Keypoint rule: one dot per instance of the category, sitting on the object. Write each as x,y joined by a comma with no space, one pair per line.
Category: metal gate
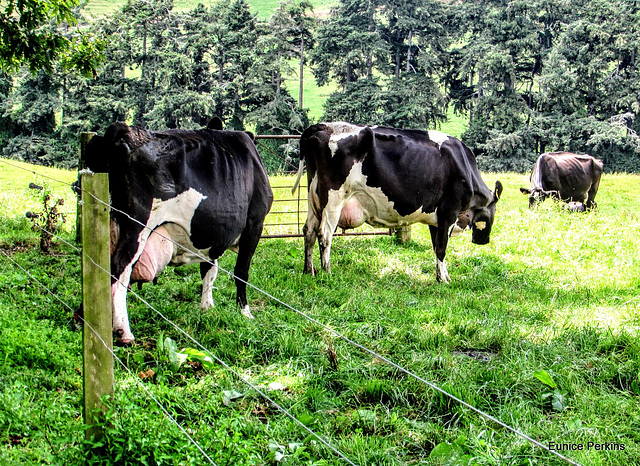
289,211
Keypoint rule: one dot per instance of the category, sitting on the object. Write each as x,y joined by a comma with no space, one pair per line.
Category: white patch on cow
481,225
341,127
246,311
207,287
120,318
313,204
441,271
179,211
365,204
184,252
335,138
438,137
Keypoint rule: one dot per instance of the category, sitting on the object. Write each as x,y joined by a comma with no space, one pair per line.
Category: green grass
553,291
263,8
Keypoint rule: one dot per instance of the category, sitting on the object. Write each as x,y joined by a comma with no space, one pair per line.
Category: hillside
314,96
264,8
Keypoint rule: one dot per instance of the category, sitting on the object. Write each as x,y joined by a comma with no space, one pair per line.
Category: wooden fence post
96,300
84,140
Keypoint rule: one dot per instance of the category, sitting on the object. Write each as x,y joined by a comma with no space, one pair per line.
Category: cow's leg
330,219
209,273
246,248
591,195
439,240
310,231
121,328
130,246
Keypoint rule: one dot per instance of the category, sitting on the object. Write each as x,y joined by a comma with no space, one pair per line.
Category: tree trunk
409,51
301,72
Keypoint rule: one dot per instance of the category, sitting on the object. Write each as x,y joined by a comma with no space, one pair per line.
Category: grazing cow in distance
391,178
180,197
565,176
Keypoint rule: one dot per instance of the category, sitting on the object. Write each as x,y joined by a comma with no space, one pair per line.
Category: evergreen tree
349,43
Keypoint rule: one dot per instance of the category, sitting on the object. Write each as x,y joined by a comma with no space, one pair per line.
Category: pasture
262,8
538,329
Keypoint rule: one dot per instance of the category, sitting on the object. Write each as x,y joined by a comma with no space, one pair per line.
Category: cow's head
537,195
482,220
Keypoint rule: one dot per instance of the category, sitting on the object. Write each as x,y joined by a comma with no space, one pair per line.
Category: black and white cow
569,177
205,190
392,178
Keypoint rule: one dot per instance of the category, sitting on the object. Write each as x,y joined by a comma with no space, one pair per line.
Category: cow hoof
246,311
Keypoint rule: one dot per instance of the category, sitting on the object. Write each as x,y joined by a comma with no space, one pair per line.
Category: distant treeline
530,75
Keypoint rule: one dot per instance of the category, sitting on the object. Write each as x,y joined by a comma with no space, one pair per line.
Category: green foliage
455,453
539,329
29,37
528,77
556,398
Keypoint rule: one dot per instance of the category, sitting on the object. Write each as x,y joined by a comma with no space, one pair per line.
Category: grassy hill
263,8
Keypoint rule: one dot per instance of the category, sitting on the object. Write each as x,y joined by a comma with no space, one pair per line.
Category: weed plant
539,329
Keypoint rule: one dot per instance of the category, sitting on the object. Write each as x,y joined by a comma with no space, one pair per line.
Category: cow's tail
298,176
536,175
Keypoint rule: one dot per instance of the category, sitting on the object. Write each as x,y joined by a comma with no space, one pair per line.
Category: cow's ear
498,190
251,135
464,219
525,191
116,132
215,123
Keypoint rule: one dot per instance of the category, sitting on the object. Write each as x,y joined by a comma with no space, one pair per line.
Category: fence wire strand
340,336
147,391
213,356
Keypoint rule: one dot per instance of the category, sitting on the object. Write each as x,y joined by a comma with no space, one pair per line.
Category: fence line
361,347
217,359
164,411
365,349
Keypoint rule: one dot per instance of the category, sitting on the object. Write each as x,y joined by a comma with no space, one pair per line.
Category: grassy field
263,8
539,329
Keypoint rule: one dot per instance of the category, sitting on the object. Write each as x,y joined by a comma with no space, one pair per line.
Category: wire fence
335,333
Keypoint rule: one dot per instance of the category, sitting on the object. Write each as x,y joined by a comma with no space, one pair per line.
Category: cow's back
572,175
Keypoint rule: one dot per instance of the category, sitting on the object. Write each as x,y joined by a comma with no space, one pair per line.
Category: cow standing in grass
391,177
180,197
565,176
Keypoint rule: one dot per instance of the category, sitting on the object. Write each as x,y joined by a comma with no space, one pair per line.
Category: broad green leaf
175,359
441,450
544,377
197,355
306,419
559,400
229,396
